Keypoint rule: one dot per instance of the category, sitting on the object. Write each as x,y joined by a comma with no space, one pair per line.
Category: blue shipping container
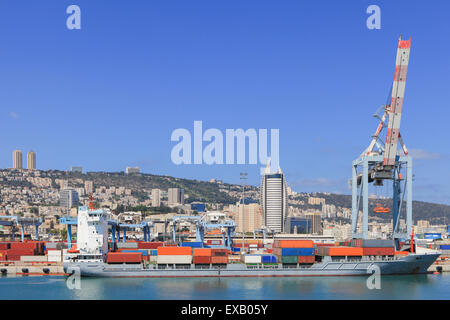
144,252
153,252
297,252
268,259
236,249
444,247
191,244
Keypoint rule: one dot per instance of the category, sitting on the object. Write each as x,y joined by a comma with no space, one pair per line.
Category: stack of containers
251,258
18,249
375,247
202,256
294,251
174,255
143,252
219,256
124,257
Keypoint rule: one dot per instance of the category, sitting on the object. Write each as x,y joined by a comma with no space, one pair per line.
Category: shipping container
444,247
402,253
339,251
219,259
154,252
289,259
293,244
204,252
5,246
54,258
202,259
182,251
268,259
174,259
372,243
144,252
149,245
294,251
379,251
250,258
33,258
219,252
127,245
191,244
124,257
306,259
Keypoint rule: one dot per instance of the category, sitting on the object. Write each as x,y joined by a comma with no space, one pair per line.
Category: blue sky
109,95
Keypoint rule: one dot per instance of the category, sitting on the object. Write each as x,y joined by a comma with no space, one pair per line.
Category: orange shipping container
219,260
174,251
306,259
343,251
204,252
293,244
401,253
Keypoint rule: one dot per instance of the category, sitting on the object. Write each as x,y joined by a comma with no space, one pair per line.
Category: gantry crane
383,161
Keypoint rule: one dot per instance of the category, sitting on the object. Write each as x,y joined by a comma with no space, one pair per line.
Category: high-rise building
17,159
249,217
274,199
316,222
88,187
68,198
31,160
175,196
156,198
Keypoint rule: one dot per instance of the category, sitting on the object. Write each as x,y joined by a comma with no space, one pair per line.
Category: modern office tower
175,196
31,160
68,198
156,198
316,222
274,199
89,187
249,217
17,159
131,170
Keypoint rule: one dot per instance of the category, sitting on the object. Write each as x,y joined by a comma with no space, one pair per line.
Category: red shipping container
13,258
23,245
149,245
4,246
22,252
306,259
219,260
202,260
378,251
124,257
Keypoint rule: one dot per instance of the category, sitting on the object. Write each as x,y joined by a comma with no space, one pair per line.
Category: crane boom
395,108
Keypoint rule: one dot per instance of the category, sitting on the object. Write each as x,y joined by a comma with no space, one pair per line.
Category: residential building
175,196
68,198
31,160
17,159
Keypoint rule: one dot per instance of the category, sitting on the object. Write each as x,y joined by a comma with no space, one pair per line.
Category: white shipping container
54,253
33,258
54,259
251,258
174,259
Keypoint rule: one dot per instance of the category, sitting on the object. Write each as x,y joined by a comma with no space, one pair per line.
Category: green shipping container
289,259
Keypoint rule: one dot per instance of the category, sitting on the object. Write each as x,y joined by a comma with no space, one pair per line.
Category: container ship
95,256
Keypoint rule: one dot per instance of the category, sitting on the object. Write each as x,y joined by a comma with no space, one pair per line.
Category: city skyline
262,68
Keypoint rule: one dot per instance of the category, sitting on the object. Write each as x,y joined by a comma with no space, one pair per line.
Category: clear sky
109,95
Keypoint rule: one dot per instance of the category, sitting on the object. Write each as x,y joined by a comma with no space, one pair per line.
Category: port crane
14,221
384,162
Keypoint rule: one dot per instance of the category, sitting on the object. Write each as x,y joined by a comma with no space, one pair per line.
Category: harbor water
420,287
